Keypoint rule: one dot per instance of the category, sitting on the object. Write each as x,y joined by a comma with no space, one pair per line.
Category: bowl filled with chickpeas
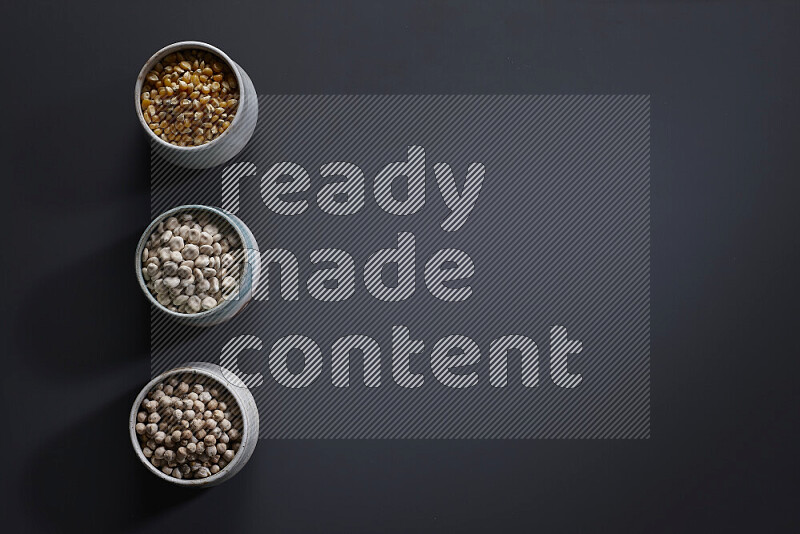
197,106
198,265
195,425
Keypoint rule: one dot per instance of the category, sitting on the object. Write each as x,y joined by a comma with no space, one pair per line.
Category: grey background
724,81
559,236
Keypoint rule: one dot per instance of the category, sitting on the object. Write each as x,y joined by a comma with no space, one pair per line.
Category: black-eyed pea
206,238
190,252
164,299
176,243
203,286
194,303
193,236
169,268
201,262
214,284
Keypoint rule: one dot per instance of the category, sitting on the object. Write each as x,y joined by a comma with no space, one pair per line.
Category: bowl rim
158,56
143,241
194,369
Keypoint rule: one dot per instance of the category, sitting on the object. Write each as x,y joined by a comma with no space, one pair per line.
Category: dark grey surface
723,79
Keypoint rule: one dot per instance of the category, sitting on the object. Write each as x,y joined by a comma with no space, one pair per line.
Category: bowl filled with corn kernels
197,106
